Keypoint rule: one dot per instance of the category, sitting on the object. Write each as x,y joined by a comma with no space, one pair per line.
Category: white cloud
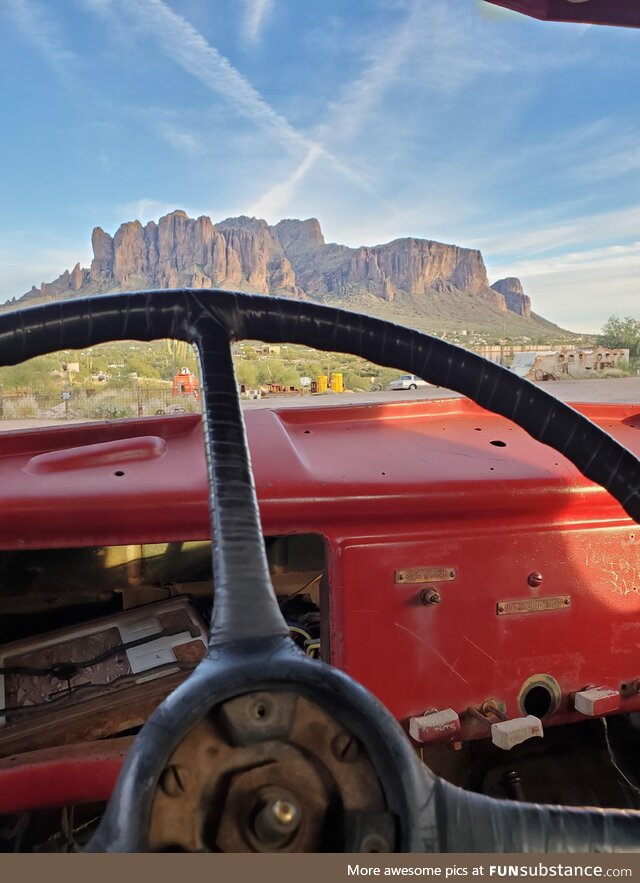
347,116
275,201
26,264
145,209
580,289
433,50
181,139
611,257
612,226
34,22
187,47
255,16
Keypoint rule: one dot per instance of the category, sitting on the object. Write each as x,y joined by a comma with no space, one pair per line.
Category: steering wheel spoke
245,604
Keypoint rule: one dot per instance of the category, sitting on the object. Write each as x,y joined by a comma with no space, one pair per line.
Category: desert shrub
113,411
356,382
20,407
612,372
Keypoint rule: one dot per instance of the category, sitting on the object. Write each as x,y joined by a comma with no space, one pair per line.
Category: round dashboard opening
540,696
538,701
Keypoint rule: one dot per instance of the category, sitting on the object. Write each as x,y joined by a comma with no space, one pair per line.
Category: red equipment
185,383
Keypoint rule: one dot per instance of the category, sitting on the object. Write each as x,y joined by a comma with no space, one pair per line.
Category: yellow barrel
336,382
322,383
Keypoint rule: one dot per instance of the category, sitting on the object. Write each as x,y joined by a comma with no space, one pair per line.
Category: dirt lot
621,390
625,390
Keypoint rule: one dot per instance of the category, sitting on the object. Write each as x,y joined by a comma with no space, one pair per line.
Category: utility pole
66,395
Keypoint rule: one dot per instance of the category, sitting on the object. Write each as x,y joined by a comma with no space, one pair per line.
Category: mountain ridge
429,281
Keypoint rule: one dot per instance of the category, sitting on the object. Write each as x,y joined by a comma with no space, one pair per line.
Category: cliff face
515,298
183,251
290,258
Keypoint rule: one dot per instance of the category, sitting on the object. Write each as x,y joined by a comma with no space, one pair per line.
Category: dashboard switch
508,734
437,726
596,701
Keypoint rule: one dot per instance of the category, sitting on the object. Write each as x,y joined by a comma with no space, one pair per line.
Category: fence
94,404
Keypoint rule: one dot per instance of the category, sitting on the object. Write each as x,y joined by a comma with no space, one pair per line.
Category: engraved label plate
533,605
425,575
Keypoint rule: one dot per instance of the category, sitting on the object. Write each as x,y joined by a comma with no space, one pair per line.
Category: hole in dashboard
498,443
540,696
538,701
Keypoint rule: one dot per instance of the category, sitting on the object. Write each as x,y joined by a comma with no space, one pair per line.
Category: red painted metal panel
393,486
61,776
314,469
462,651
603,12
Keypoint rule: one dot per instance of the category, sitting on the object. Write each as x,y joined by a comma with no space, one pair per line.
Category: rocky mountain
514,297
415,277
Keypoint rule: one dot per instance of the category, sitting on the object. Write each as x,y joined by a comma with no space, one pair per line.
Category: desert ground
624,390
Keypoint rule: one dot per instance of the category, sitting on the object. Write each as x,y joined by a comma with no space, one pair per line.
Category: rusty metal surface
256,750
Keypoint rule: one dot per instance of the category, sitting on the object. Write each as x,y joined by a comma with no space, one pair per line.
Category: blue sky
443,119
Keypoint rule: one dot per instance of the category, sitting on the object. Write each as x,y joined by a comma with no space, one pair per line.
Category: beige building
567,362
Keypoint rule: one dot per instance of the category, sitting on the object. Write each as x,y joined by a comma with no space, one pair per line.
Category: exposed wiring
66,670
98,688
613,760
66,835
313,649
303,633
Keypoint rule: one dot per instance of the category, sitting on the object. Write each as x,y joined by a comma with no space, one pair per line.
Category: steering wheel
262,748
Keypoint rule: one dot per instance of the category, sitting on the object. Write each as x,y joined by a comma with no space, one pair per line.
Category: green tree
621,334
34,375
247,373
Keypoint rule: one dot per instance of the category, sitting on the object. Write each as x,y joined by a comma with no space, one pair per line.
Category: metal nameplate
425,575
533,605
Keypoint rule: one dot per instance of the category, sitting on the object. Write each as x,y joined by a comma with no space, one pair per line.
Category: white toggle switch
596,701
508,734
437,726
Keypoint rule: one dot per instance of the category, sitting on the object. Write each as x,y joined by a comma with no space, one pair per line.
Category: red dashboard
536,570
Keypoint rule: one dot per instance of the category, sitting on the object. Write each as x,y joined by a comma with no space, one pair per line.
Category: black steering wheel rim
432,815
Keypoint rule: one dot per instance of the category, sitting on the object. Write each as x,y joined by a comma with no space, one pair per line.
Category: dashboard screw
374,843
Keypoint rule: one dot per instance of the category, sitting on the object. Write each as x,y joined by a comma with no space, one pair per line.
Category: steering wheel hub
269,771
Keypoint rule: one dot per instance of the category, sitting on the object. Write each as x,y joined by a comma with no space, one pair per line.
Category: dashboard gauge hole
540,696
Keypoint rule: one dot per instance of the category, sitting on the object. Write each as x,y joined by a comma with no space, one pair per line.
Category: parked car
408,381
